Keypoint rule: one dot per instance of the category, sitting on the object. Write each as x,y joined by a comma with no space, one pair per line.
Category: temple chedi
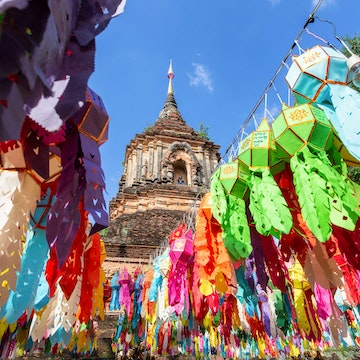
167,169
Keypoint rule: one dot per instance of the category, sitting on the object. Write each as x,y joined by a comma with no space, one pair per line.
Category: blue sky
224,54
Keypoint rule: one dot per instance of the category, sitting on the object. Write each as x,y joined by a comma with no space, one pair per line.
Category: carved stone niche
183,165
180,173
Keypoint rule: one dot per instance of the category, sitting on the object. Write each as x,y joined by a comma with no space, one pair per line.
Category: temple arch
181,158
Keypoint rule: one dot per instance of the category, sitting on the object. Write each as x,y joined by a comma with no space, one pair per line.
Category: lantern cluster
52,184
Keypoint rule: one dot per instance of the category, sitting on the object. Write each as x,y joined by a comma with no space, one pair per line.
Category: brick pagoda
167,169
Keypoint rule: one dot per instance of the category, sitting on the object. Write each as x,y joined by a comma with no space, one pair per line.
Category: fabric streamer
19,195
49,179
230,211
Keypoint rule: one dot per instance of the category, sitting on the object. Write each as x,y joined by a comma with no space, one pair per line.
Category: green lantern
258,150
301,125
233,177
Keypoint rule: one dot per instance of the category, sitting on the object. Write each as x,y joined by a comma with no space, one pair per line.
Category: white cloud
324,3
201,77
274,2
313,2
274,110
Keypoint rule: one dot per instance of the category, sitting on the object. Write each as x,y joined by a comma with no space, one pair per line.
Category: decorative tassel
236,231
19,193
343,112
306,316
313,199
229,211
314,169
218,198
267,205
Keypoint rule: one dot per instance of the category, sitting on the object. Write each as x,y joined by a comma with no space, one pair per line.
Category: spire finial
170,103
170,76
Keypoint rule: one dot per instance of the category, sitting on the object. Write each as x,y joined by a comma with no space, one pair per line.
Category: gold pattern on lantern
311,57
298,115
227,170
245,144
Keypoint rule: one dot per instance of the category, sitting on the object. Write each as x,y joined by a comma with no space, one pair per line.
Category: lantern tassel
343,114
19,193
267,205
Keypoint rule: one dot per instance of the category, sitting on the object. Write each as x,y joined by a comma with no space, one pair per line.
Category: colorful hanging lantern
233,177
258,153
181,254
165,265
312,71
126,289
206,206
321,75
181,245
301,125
258,150
92,119
230,212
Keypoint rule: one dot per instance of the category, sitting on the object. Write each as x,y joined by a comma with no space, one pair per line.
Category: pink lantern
125,277
126,289
181,245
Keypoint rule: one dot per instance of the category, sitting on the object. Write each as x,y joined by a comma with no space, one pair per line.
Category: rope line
277,72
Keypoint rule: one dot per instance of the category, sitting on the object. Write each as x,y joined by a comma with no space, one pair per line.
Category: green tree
148,127
353,43
203,131
354,174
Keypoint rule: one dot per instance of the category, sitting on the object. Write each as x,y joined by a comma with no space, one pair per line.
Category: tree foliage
353,43
148,127
354,174
203,131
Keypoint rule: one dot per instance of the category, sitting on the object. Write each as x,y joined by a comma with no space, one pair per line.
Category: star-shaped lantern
258,150
311,72
233,176
301,125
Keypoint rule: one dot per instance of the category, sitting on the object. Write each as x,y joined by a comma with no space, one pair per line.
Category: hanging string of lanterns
272,263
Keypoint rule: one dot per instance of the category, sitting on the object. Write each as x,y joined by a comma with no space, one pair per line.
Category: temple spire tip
170,76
